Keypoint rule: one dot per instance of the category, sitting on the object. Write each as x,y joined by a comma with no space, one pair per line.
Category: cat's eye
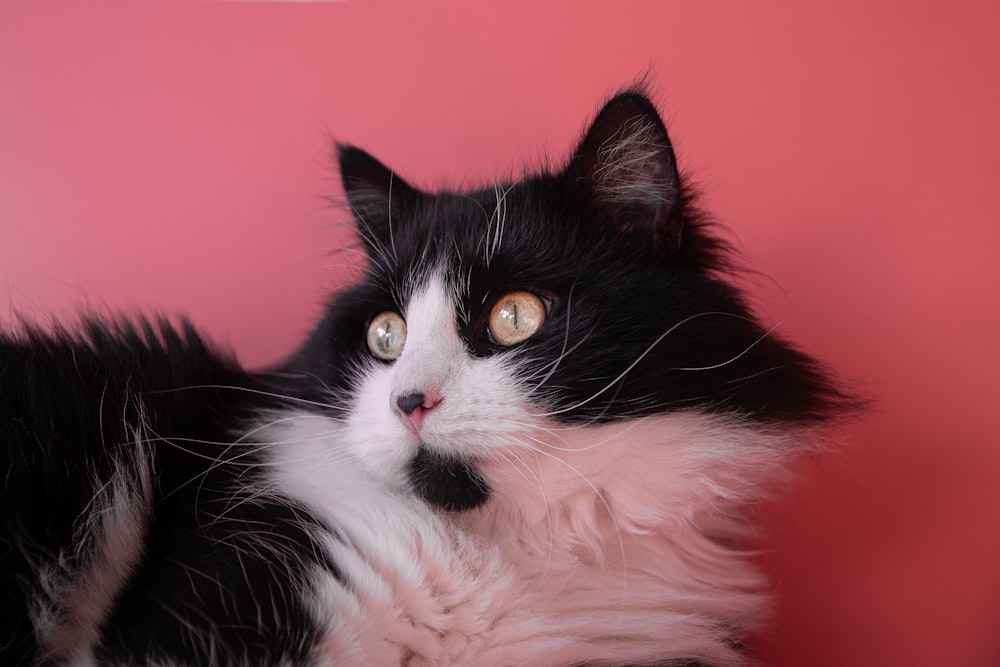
387,335
515,317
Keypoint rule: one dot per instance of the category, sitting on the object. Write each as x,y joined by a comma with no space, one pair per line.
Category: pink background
173,157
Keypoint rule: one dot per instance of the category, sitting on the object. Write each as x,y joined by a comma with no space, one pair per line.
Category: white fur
630,165
600,544
75,599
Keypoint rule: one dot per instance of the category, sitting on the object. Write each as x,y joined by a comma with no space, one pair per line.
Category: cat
529,435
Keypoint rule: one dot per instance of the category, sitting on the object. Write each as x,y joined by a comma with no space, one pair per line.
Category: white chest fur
572,560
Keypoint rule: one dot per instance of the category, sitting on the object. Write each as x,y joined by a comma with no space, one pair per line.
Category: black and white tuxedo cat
528,436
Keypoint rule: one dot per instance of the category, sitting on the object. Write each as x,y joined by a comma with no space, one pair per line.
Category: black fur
446,481
636,289
217,560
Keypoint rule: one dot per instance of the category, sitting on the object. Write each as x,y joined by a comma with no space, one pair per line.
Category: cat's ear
626,173
378,198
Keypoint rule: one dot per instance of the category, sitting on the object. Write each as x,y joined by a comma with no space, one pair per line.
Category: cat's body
528,437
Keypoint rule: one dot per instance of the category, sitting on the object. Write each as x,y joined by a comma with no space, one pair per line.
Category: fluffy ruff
619,549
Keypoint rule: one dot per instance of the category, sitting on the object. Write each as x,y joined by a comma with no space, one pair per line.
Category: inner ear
626,172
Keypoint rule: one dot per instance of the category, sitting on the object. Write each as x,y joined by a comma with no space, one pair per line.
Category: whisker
243,449
599,495
545,504
729,361
392,240
626,427
562,353
636,362
260,392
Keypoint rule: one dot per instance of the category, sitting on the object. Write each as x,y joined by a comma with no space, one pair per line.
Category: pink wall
172,156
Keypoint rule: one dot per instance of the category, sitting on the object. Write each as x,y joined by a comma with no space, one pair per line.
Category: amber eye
387,335
515,317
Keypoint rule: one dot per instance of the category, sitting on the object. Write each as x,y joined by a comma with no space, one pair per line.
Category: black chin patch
446,481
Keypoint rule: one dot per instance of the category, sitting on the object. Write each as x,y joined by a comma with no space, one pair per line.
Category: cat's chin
446,481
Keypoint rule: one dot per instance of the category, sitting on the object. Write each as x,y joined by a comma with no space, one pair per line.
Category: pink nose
413,407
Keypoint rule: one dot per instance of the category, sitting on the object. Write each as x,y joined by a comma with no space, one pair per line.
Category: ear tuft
626,166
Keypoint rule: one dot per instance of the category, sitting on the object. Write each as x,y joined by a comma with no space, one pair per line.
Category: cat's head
534,317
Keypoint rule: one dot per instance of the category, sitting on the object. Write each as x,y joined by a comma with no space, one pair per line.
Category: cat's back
79,403
121,489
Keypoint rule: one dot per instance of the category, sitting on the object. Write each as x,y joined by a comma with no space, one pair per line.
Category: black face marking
446,481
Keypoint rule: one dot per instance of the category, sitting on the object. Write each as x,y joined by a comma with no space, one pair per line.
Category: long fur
578,497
